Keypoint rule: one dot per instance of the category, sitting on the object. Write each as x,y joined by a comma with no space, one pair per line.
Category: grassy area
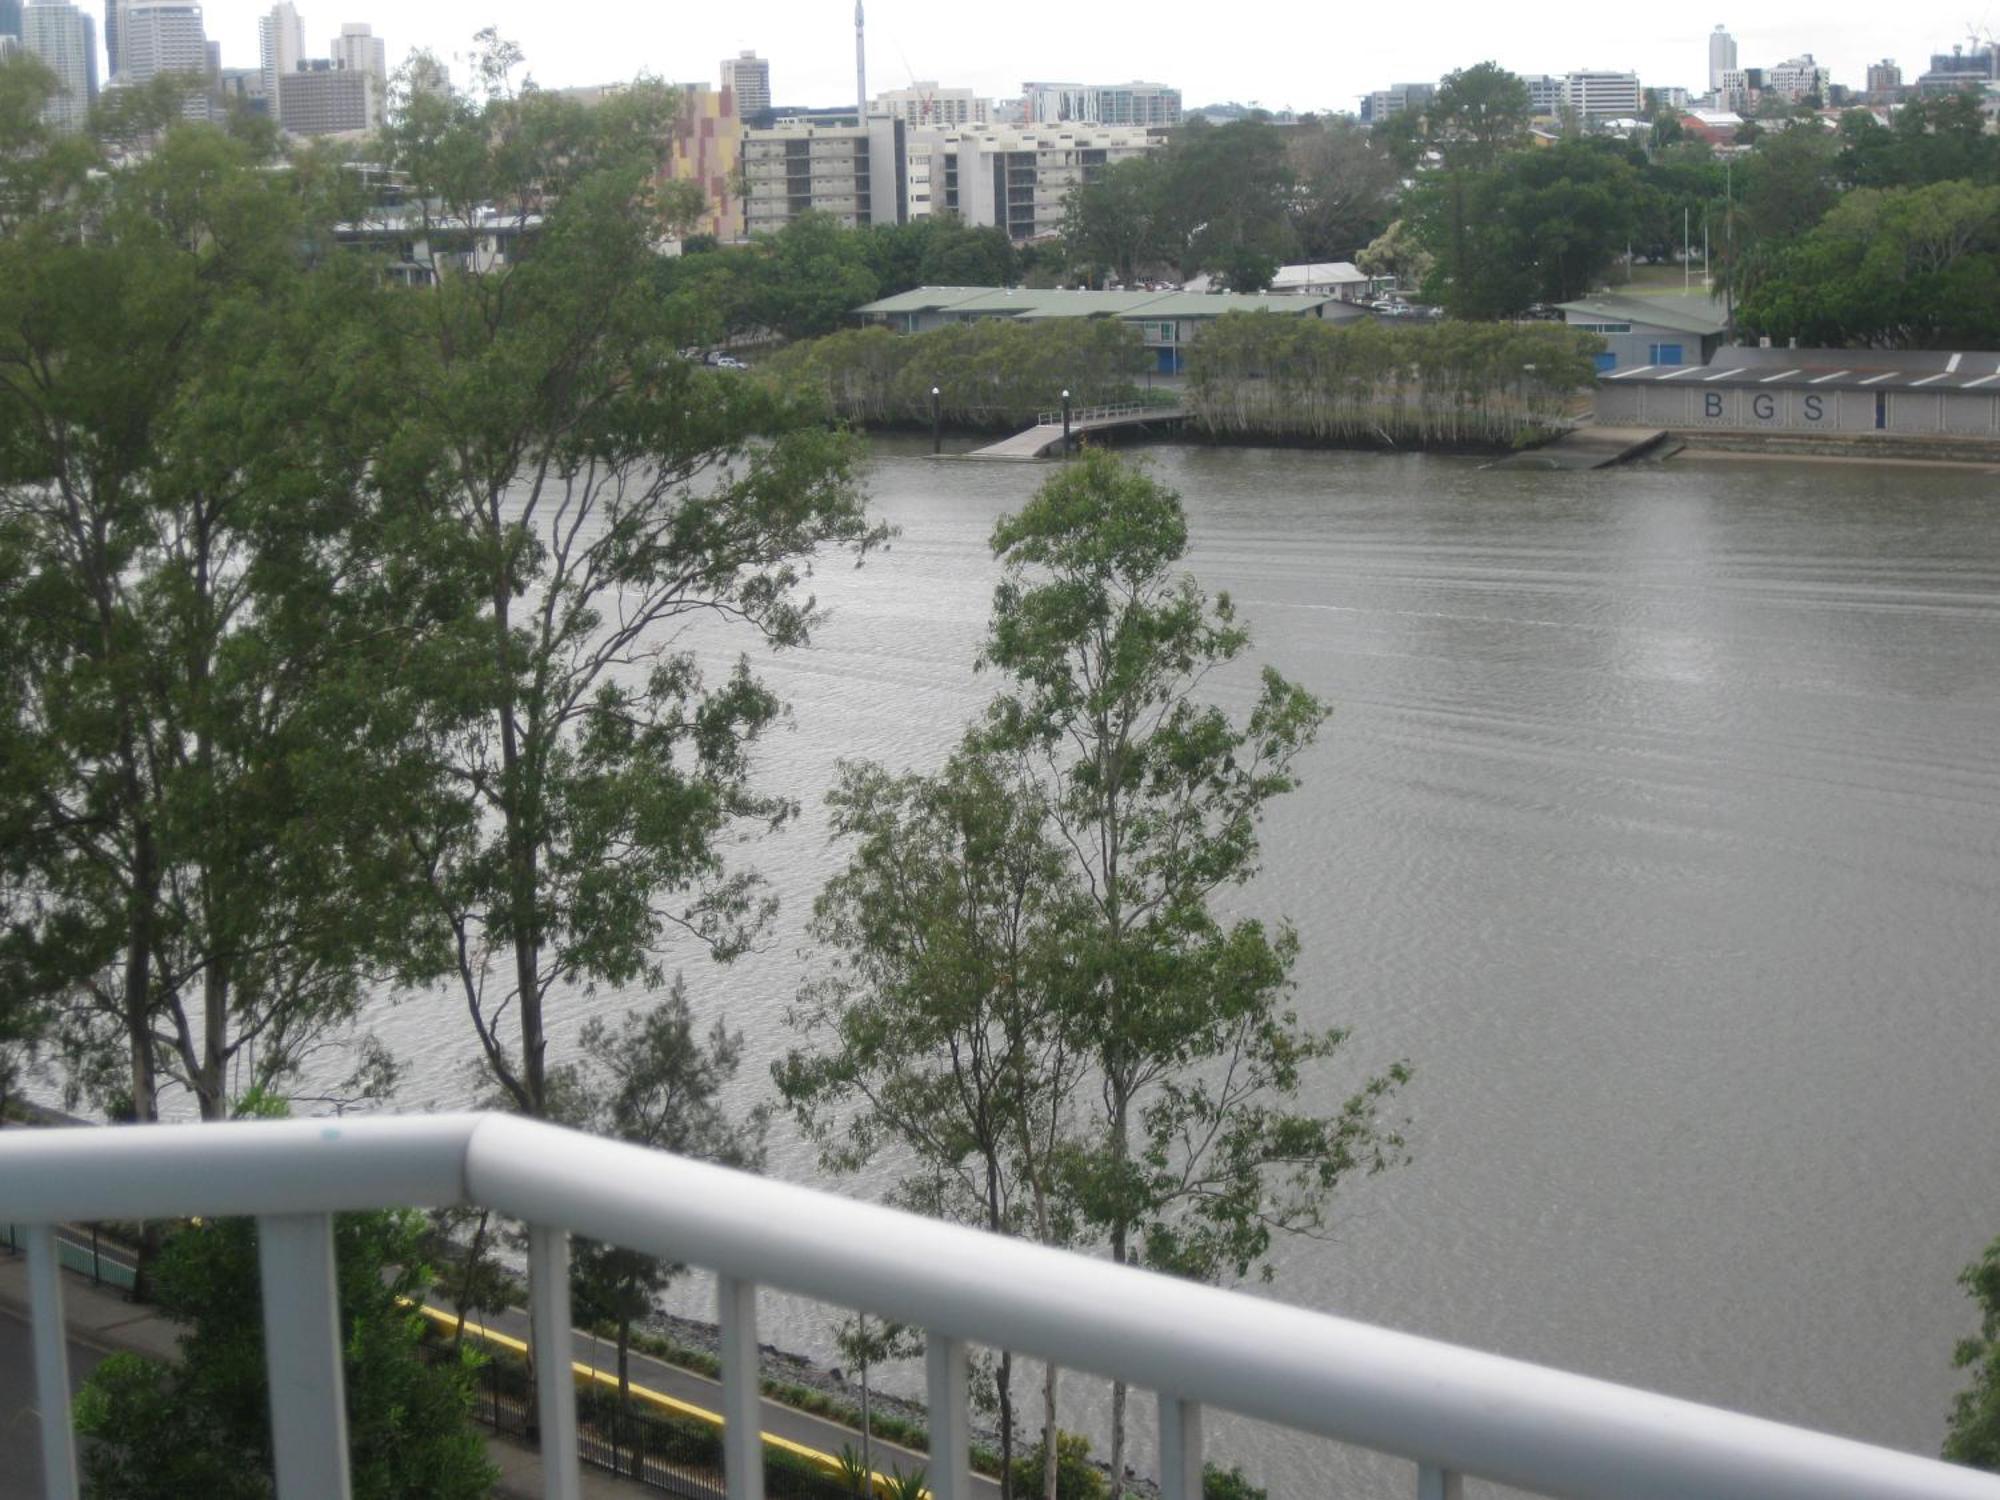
1656,281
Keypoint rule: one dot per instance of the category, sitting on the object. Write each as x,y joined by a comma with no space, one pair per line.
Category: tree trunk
211,1079
624,1394
1005,1381
139,1020
1049,1432
867,1457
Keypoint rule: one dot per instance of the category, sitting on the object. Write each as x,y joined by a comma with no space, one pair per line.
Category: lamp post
937,419
1066,448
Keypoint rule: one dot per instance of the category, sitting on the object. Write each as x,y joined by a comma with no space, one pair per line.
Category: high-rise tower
1721,56
65,39
748,76
860,65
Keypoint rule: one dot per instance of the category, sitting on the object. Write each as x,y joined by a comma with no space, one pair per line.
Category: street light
1066,447
937,439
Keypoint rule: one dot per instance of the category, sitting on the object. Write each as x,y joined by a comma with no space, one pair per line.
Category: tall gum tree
196,615
612,495
1197,1154
934,1032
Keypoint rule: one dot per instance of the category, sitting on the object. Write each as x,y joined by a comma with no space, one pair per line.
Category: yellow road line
647,1394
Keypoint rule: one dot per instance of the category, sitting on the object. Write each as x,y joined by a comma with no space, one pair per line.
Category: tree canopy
1974,1436
200,1425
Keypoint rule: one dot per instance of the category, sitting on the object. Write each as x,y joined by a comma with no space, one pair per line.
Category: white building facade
1721,57
1017,179
1796,77
1602,96
924,106
1140,104
162,36
281,44
65,39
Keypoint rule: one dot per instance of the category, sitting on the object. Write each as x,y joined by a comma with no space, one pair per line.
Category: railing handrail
1081,414
1457,1409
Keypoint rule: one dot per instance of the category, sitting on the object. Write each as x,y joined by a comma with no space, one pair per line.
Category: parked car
717,360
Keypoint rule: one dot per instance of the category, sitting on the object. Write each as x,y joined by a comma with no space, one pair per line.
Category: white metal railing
1452,1411
1080,415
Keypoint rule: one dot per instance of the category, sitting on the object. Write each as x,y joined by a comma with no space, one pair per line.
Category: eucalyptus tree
650,1080
936,1031
200,772
611,497
1973,1434
1197,1152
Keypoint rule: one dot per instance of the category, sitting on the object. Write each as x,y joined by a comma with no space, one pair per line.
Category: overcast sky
1301,54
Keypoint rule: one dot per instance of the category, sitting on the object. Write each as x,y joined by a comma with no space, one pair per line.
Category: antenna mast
860,68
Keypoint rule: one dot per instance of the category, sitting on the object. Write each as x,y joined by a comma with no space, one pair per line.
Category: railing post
1180,1449
51,1337
950,1474
302,1355
1434,1483
742,1442
550,1338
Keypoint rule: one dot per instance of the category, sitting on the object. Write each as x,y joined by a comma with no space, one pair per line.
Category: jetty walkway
1047,433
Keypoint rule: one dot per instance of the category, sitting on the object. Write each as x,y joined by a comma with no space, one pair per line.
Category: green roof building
1168,321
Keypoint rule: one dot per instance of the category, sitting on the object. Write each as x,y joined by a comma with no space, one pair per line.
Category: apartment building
1545,94
854,172
1797,77
1147,105
1017,179
1721,57
924,105
1591,95
1398,99
706,149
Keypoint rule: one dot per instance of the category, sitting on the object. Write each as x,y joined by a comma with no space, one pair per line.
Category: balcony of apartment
1448,1412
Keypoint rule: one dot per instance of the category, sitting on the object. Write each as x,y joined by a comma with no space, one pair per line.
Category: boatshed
1649,330
1913,394
1168,321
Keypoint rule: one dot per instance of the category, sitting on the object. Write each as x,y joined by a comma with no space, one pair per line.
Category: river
1657,826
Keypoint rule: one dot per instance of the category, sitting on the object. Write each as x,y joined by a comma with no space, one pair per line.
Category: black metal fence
676,1454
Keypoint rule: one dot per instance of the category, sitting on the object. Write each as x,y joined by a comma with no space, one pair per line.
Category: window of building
1663,354
1603,327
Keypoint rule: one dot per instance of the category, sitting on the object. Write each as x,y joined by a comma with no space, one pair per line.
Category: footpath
101,1321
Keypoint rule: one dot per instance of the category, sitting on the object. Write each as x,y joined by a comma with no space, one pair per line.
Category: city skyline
808,42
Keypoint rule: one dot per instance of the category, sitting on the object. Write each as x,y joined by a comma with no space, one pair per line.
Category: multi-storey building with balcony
1591,95
1142,104
854,172
1016,179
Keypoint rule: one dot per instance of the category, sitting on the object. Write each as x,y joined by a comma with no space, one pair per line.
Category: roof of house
1319,273
1828,370
1699,315
1027,303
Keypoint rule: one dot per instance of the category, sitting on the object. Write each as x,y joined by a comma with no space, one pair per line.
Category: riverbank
1859,449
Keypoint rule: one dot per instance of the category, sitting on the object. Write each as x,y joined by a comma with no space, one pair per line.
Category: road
20,1436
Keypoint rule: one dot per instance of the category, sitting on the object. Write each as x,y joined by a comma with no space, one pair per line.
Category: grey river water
1657,825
